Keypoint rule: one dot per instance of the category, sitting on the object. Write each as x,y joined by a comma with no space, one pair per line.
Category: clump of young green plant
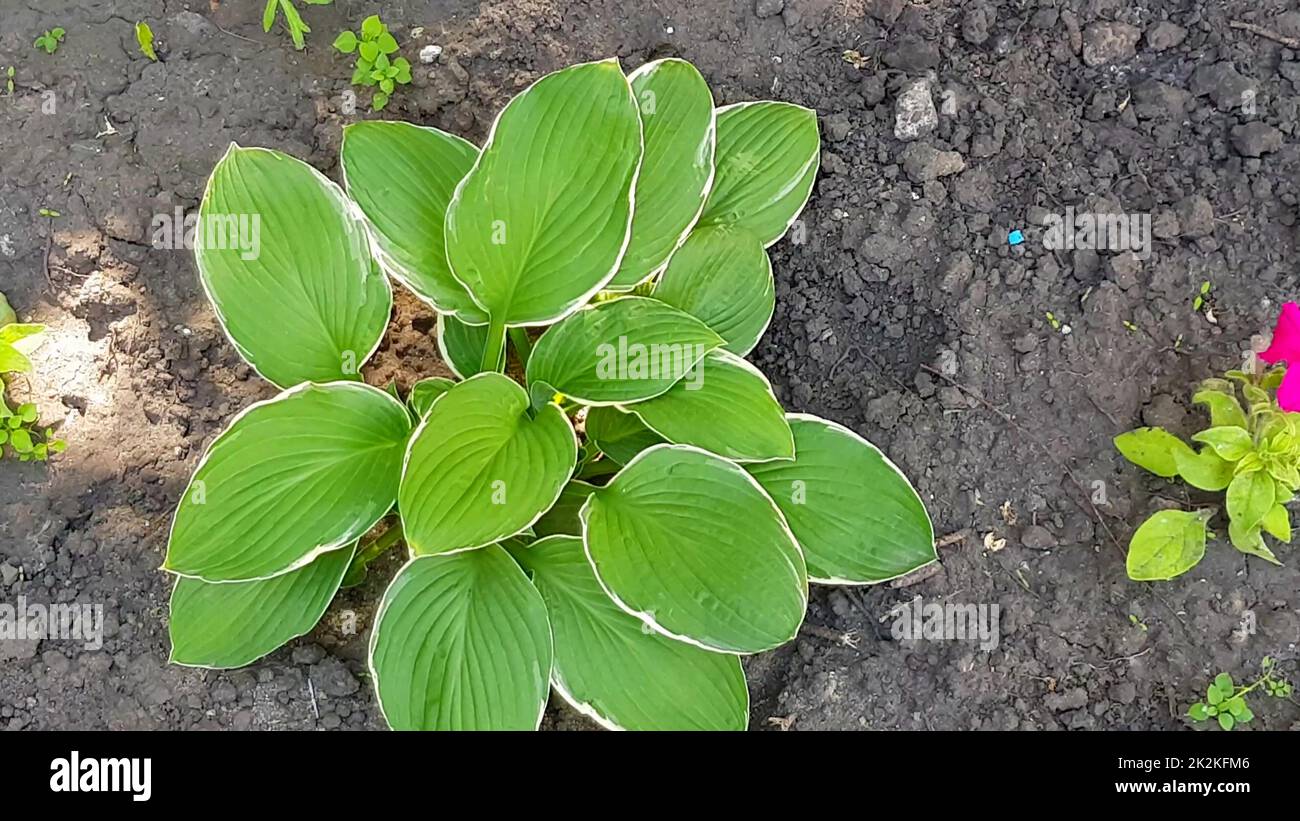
374,67
293,21
49,41
1251,456
20,428
622,523
1225,701
144,39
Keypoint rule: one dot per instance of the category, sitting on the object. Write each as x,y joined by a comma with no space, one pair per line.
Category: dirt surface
904,313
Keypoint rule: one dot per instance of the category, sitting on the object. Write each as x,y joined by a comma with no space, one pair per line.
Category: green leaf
7,314
563,518
403,67
1205,470
1221,400
372,27
854,513
20,439
289,479
1232,443
230,625
1250,540
346,42
461,346
677,168
690,544
539,224
27,412
402,176
461,642
725,406
620,350
1224,682
368,50
268,14
387,85
1226,721
1277,523
1250,498
14,332
288,269
480,469
378,101
1197,712
609,668
767,159
12,360
144,38
618,435
1214,695
424,392
1166,545
1153,449
387,43
722,276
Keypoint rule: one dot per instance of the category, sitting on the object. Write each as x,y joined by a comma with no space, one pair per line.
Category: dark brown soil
899,280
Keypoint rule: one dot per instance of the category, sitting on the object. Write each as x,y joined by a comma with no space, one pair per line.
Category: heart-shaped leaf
480,468
618,435
288,269
857,518
690,544
232,624
609,668
540,223
722,276
461,642
620,350
402,176
461,346
676,169
425,392
1168,544
767,159
725,406
289,479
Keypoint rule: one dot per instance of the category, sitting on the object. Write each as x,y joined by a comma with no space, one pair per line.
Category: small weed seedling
9,80
19,429
1225,702
292,19
374,66
50,40
620,515
1251,454
144,38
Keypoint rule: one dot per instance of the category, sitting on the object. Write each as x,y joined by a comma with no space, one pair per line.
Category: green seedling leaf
368,50
1205,470
676,109
618,435
20,438
1226,721
461,642
1153,449
725,406
620,350
288,269
609,668
1230,442
728,574
1197,712
767,159
1219,397
224,626
7,314
722,276
480,469
1224,682
425,392
372,27
403,176
562,519
1250,540
1250,497
461,346
268,14
144,38
1278,523
346,42
290,479
1166,545
528,249
854,513
387,43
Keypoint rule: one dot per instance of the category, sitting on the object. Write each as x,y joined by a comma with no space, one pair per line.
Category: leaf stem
599,467
387,539
495,343
523,345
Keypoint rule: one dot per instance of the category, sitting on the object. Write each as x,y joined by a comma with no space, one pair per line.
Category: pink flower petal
1286,337
1288,393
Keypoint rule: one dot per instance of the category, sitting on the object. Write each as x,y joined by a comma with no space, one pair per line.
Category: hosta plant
620,520
1250,453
